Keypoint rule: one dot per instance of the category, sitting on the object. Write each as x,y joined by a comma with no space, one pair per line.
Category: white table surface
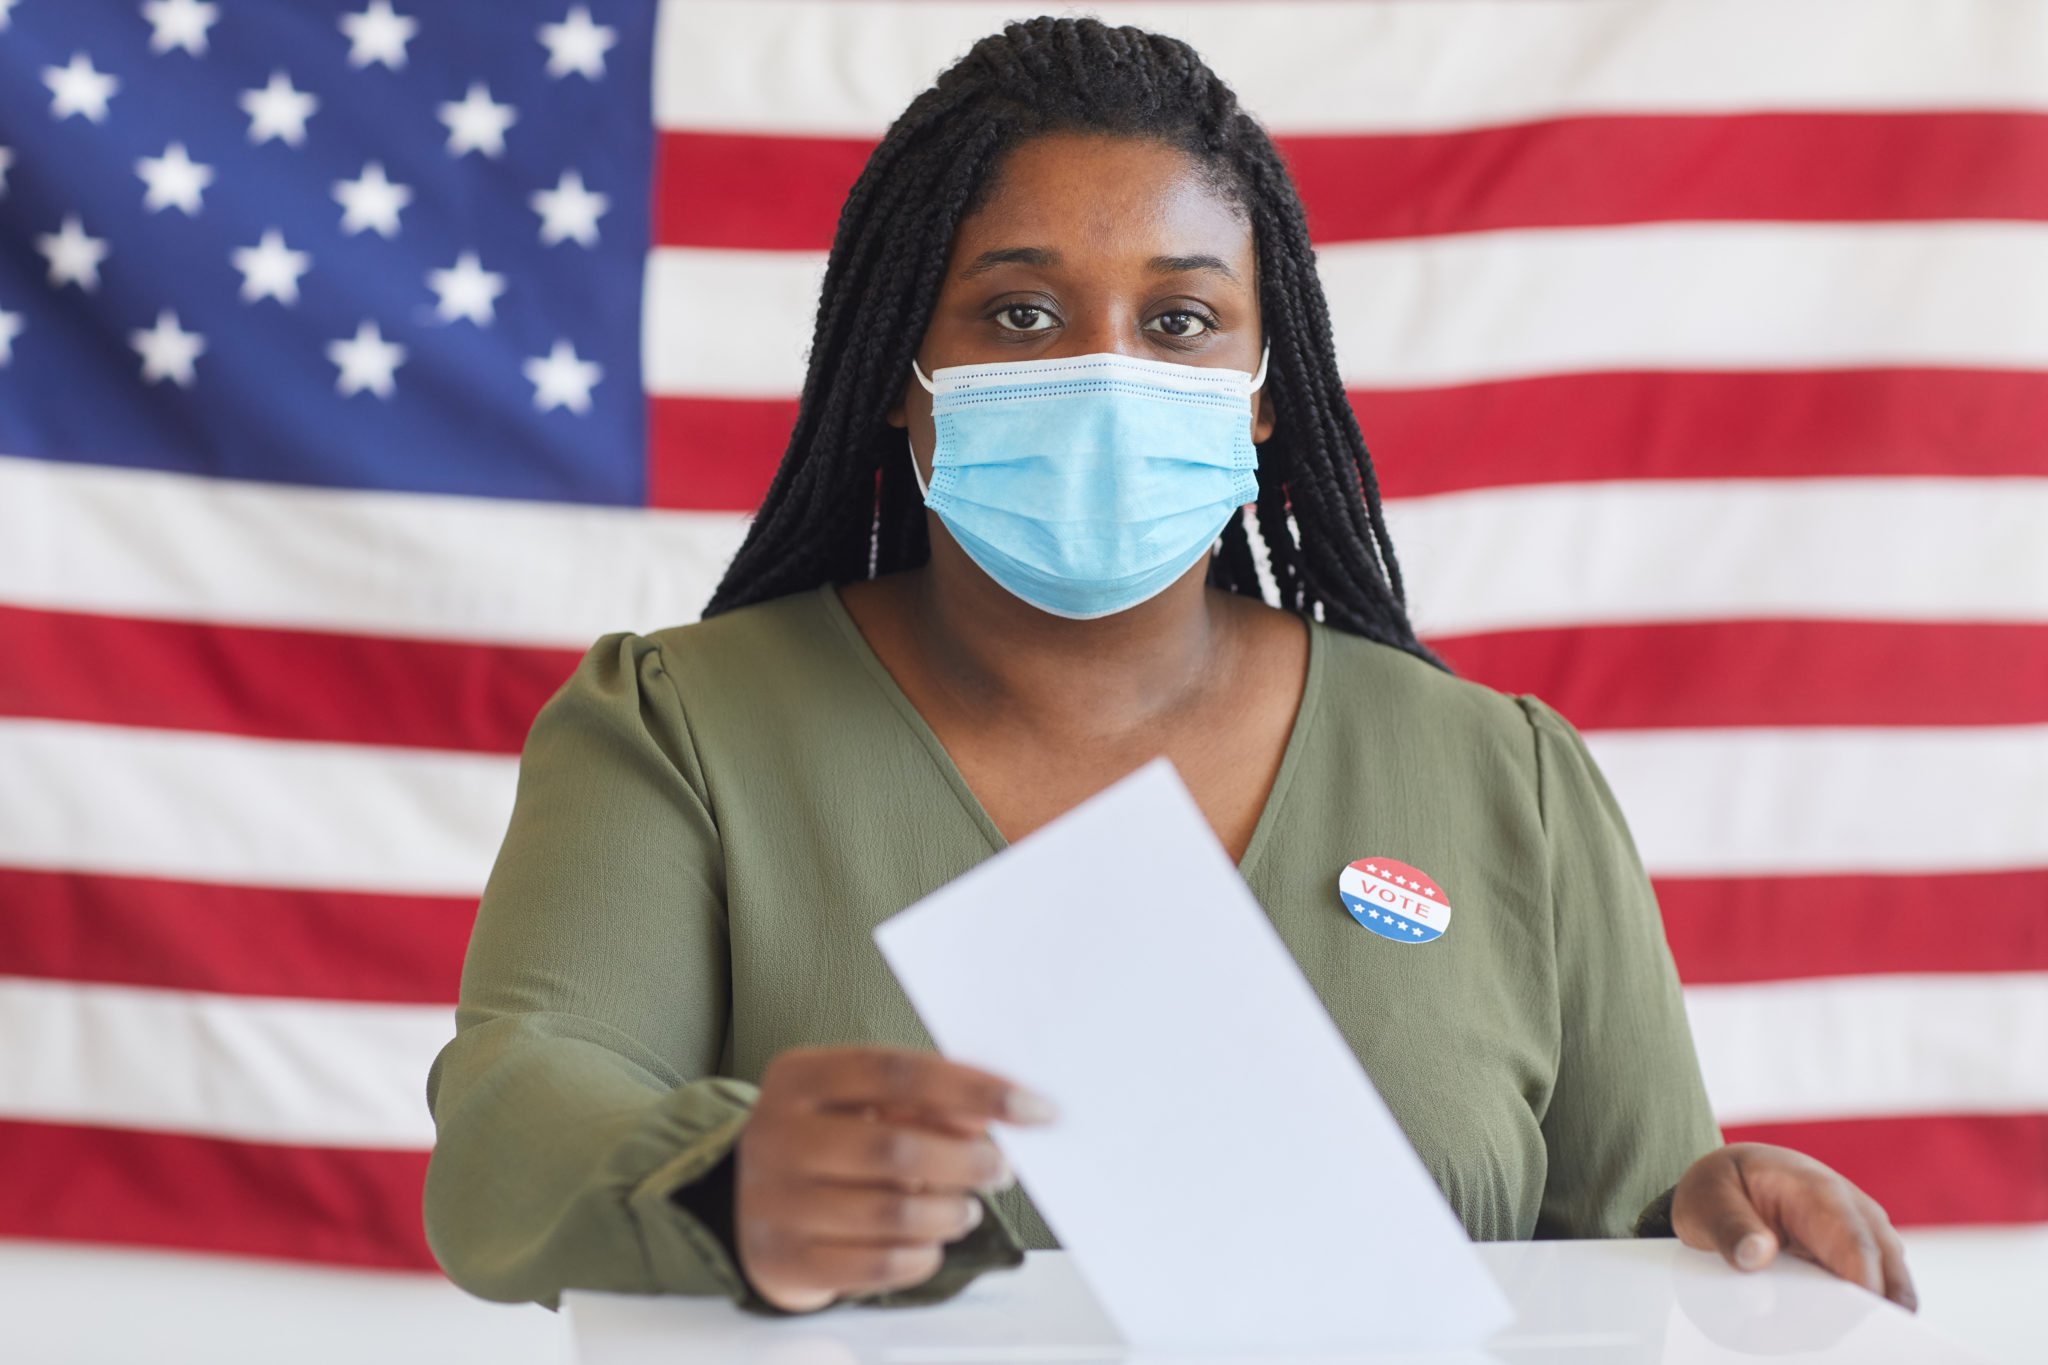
1604,1303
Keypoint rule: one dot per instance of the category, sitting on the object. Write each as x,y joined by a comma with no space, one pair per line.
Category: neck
1000,656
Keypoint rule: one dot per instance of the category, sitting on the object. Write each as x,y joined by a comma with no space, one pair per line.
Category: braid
843,504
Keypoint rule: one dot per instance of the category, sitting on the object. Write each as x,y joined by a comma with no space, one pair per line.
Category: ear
899,415
1265,419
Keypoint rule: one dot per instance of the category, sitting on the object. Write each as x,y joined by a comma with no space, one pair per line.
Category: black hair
843,505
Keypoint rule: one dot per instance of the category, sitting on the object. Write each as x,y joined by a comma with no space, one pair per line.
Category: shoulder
1366,681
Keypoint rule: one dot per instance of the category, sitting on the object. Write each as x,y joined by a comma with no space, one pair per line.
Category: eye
1024,317
1184,325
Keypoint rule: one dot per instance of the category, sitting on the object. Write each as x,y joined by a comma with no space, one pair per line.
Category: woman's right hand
859,1164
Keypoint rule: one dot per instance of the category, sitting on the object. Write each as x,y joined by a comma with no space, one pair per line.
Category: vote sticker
1394,900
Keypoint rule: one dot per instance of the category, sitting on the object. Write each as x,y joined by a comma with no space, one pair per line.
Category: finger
844,1268
894,1078
1712,1211
1891,1249
1819,1212
837,1149
881,1215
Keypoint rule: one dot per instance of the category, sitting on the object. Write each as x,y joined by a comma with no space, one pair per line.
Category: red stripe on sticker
1735,929
1724,673
772,193
342,1206
274,684
237,940
1978,1168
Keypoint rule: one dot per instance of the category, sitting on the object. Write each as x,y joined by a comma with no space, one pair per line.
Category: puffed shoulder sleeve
579,1096
1628,1113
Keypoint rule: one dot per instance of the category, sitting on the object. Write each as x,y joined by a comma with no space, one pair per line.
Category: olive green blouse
711,820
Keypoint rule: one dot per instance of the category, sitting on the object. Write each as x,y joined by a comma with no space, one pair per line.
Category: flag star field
363,361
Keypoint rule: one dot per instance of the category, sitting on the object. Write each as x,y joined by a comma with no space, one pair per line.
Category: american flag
361,362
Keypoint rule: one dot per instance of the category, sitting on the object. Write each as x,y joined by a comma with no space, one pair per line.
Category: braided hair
843,505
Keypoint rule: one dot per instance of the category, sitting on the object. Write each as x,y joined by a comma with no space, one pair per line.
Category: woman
1078,279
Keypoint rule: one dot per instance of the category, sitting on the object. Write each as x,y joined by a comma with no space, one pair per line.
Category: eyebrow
1181,265
1010,255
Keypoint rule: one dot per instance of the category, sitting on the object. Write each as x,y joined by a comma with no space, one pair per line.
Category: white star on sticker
168,351
1429,891
568,212
278,111
270,269
577,45
371,201
560,380
6,160
11,324
476,124
175,180
366,360
467,290
78,89
378,34
1416,931
180,23
74,257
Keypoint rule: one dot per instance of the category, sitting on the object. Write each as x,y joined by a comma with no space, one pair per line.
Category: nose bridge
1102,327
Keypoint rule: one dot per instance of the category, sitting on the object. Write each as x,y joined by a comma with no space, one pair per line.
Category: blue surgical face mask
1085,485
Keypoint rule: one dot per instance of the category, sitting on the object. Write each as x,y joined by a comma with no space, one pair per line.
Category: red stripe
250,1199
715,454
1712,673
720,454
1990,1168
768,193
277,684
139,931
1806,424
1733,929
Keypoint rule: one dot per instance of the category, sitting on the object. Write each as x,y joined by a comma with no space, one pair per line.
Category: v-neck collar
1290,757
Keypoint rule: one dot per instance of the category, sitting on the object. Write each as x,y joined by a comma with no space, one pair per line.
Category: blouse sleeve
1628,1113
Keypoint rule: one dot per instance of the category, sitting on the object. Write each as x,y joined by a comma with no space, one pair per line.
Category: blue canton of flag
328,244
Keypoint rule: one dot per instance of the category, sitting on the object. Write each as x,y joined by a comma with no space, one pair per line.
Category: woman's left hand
1747,1200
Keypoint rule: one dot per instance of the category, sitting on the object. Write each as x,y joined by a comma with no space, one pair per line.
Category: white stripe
1904,549
1497,305
318,1073
140,543
1873,1046
1767,802
263,812
1698,296
728,324
848,69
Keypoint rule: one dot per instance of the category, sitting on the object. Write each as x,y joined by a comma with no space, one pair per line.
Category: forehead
1090,195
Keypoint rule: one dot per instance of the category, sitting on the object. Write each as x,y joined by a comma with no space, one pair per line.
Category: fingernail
1752,1250
975,1214
1028,1106
1002,1179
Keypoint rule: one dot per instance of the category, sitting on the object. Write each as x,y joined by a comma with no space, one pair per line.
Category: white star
270,269
6,160
74,257
175,180
560,380
577,45
568,212
378,34
1429,891
168,351
5,7
467,290
278,111
371,201
10,323
180,23
78,89
1415,930
476,124
366,361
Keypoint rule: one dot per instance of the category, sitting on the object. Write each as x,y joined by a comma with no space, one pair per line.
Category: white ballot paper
1222,1171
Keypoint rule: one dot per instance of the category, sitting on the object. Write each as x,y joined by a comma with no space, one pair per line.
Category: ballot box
1647,1302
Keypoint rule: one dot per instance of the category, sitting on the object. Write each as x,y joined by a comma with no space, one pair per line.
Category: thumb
1712,1211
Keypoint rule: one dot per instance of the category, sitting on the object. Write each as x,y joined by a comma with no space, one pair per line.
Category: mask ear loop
924,491
1258,379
